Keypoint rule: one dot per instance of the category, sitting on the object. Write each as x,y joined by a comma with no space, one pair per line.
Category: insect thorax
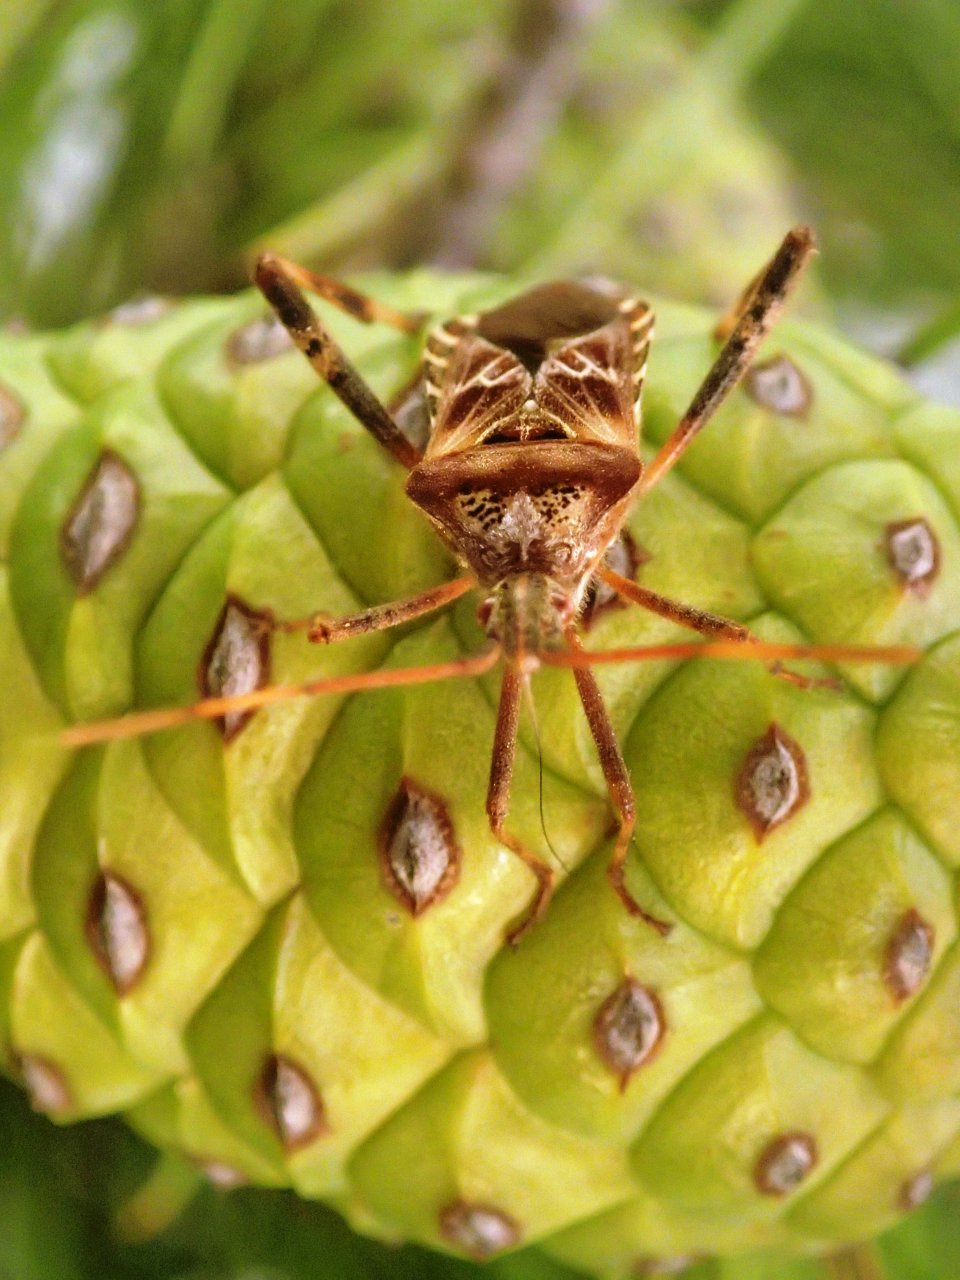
532,450
549,508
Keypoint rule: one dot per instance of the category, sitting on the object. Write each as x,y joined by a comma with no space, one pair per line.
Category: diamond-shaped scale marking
785,1163
758,1121
595,1018
865,553
118,930
629,1029
780,385
885,1178
798,415
260,339
101,523
922,1060
478,1230
317,1059
857,939
419,854
209,630
918,747
722,821
431,963
544,1177
106,517
772,784
236,660
121,893
290,1102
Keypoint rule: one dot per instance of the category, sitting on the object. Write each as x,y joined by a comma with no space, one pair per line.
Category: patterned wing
590,387
473,387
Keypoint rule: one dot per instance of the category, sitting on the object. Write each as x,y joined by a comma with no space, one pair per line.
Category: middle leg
706,624
322,629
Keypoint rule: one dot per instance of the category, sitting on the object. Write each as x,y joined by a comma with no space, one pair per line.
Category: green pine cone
277,946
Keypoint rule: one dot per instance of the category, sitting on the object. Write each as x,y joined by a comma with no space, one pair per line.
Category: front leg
322,629
280,285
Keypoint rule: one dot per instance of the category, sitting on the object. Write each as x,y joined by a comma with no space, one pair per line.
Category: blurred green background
153,146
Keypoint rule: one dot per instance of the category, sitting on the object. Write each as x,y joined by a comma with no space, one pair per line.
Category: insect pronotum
530,468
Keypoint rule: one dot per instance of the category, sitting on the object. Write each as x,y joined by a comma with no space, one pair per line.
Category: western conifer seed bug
530,468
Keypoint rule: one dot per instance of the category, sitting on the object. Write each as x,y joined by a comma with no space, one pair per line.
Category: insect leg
322,629
759,312
707,624
618,784
359,305
283,292
498,800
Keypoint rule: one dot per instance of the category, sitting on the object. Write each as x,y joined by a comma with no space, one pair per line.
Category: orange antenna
898,655
138,723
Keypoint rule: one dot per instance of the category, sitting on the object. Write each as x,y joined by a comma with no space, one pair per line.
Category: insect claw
615,875
530,917
319,631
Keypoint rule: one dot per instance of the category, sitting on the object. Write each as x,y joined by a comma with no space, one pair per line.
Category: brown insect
530,468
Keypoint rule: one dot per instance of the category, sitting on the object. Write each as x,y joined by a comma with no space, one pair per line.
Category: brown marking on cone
12,416
99,526
479,1230
261,339
116,929
418,850
915,1191
45,1083
913,553
629,1029
220,1174
236,660
778,385
664,1265
624,556
137,313
290,1102
772,784
784,1163
908,955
